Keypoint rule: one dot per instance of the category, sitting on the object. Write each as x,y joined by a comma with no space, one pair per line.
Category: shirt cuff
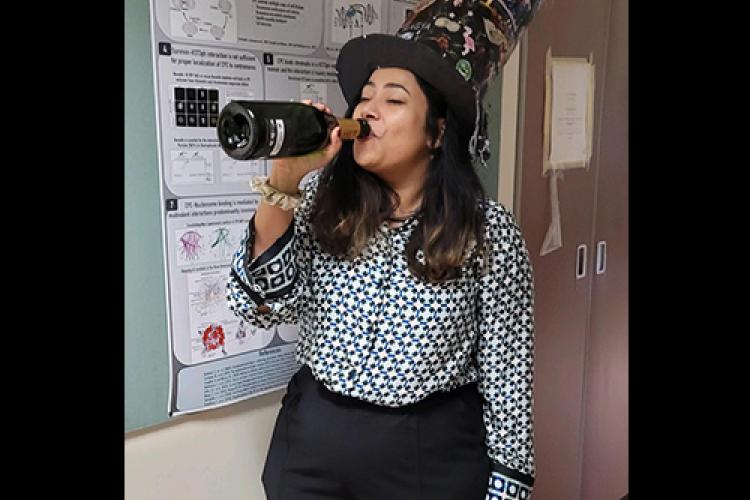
270,275
509,485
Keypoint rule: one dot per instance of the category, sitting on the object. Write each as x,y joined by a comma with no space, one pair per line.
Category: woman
412,290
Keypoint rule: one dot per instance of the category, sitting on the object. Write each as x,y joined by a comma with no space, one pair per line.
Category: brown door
605,439
572,28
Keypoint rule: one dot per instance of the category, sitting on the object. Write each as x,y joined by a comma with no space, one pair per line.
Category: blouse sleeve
505,357
271,288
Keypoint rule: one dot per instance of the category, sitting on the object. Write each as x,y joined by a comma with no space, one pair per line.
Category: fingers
335,142
319,105
336,135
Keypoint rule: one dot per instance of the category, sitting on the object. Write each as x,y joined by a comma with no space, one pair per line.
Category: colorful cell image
189,246
223,244
213,339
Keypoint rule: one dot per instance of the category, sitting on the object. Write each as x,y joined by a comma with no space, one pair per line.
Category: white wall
214,455
506,179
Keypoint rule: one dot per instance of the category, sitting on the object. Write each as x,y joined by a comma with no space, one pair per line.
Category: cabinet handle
601,257
581,262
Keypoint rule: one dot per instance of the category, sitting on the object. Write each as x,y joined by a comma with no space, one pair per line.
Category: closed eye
392,101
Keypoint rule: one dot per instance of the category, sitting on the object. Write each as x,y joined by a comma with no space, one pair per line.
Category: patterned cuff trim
504,488
277,276
249,291
272,252
513,474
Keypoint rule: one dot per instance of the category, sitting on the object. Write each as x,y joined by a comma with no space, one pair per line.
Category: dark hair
352,202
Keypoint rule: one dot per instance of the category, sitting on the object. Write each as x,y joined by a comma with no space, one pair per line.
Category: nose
367,111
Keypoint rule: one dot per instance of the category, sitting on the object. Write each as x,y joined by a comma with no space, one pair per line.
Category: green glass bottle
252,130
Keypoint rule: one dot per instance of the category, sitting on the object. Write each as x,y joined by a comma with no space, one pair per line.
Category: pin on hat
457,46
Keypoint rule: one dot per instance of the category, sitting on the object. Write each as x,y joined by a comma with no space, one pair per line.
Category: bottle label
276,139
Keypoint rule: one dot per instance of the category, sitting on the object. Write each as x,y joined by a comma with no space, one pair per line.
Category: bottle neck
352,128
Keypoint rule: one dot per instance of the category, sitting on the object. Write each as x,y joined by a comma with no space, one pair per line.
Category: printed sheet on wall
207,53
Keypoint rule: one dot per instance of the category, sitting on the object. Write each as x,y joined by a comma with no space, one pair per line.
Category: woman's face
396,108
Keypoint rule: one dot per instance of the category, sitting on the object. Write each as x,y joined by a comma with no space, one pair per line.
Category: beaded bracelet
273,196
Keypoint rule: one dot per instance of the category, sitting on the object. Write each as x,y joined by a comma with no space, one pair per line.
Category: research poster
207,53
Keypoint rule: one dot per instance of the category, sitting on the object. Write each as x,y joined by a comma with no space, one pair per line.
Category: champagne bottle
251,130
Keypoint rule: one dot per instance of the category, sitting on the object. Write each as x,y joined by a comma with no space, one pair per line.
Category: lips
372,134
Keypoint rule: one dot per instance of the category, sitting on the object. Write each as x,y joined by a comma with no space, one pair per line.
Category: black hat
455,45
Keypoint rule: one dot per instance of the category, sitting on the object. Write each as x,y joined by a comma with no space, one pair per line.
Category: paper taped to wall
568,112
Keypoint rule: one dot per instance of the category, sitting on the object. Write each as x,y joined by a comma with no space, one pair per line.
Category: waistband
306,381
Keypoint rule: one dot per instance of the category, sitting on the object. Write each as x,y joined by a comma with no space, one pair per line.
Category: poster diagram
206,53
195,107
192,167
195,84
209,317
216,331
297,78
212,243
223,245
203,20
189,248
240,171
317,92
353,19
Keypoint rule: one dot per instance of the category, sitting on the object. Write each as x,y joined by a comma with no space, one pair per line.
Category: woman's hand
286,173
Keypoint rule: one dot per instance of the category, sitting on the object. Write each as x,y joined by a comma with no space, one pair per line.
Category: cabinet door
572,28
605,443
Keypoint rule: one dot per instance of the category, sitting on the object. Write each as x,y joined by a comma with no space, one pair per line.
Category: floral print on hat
476,36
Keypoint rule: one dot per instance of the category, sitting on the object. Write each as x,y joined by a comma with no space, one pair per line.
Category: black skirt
328,446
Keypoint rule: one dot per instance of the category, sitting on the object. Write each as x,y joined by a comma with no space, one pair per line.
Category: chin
368,168
366,163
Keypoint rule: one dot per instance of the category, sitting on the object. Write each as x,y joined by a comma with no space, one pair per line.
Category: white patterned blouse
371,330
